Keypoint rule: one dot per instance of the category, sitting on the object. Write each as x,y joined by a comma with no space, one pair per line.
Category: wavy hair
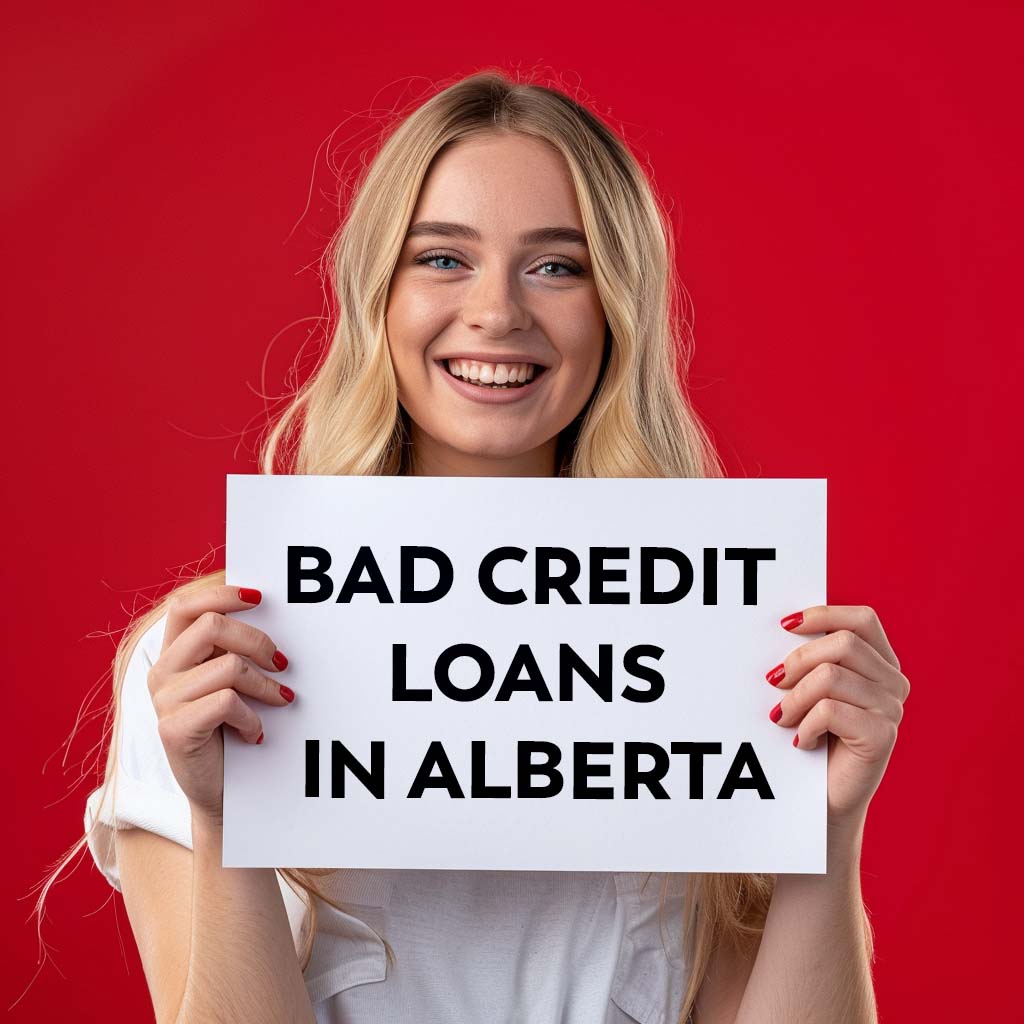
346,418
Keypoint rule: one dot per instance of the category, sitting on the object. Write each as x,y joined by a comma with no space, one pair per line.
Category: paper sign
526,674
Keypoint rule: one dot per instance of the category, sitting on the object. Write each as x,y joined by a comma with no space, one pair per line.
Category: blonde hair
346,419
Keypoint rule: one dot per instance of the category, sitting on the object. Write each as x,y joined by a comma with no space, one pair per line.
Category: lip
489,396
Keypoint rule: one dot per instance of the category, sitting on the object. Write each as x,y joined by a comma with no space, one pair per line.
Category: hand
196,682
847,686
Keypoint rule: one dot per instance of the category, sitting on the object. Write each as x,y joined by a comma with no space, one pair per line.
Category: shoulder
134,694
141,754
143,654
151,641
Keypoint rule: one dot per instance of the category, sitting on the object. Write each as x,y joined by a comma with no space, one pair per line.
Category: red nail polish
280,661
250,595
260,739
776,712
792,621
796,740
288,693
775,676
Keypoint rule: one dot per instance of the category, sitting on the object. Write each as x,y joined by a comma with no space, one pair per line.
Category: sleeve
143,792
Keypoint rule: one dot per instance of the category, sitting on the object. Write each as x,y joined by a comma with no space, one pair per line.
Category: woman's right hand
204,665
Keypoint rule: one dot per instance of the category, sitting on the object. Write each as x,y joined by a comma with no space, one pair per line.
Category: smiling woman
505,304
495,275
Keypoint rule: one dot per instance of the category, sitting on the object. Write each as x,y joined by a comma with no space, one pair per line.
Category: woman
506,305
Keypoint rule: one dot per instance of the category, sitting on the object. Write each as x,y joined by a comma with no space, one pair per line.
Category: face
494,323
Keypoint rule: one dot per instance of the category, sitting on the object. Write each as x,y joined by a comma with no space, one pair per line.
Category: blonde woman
506,305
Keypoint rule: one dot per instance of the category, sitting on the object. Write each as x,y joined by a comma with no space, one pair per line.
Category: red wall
846,198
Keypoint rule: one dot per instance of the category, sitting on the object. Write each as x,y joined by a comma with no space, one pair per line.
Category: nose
494,304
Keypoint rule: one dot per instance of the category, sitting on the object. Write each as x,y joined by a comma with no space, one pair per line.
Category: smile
492,383
493,375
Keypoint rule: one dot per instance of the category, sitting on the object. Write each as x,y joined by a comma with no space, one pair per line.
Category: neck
434,458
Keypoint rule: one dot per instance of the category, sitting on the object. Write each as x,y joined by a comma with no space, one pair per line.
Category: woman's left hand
847,686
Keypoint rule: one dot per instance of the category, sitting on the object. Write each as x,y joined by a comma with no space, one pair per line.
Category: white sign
526,673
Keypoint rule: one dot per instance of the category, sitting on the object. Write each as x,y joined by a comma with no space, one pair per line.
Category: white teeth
492,374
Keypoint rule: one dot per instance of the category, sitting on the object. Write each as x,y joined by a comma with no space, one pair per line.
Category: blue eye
570,267
430,258
427,258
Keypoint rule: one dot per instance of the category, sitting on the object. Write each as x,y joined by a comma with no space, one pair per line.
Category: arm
813,963
215,942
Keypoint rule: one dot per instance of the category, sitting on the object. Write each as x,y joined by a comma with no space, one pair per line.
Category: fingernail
280,661
288,693
260,738
792,621
796,740
775,676
250,595
776,712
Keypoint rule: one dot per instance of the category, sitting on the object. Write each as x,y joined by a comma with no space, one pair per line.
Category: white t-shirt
544,947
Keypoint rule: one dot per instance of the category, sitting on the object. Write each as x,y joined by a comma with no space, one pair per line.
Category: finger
840,648
184,608
834,682
865,732
859,619
191,726
213,631
228,670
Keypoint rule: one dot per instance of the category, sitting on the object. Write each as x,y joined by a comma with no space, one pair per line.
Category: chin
492,449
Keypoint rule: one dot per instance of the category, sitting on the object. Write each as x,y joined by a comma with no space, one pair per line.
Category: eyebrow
540,236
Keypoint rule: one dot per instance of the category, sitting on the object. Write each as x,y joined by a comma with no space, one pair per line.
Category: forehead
501,184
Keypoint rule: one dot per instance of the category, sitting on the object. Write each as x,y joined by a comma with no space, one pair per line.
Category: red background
845,194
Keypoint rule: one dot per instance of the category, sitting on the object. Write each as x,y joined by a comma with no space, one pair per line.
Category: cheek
582,346
414,319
